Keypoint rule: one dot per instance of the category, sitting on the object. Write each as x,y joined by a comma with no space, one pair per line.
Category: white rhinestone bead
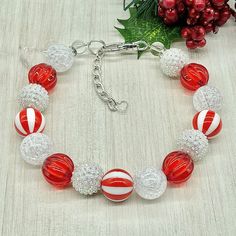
150,183
60,57
35,96
172,61
194,143
207,98
86,178
35,148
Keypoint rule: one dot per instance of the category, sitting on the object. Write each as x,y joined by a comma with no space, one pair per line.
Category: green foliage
149,29
144,7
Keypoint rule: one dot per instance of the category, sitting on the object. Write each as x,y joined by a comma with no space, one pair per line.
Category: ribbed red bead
43,74
57,170
193,76
178,167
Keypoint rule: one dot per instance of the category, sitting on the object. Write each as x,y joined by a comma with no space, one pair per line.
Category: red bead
208,122
193,76
44,75
57,170
178,167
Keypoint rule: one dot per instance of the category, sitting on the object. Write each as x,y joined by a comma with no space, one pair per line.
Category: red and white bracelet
117,184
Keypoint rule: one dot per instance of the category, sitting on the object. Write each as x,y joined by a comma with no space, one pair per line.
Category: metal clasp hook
114,47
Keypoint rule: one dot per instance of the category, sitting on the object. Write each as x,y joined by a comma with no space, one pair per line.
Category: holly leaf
147,28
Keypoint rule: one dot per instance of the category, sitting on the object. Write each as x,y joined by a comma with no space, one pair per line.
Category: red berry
209,28
202,43
189,2
216,15
161,11
172,15
208,14
180,7
198,33
186,33
169,3
218,2
199,5
191,44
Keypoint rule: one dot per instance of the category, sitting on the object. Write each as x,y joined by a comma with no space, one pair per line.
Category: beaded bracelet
117,184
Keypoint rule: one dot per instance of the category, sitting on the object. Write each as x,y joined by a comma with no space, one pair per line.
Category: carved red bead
178,167
57,170
43,74
193,76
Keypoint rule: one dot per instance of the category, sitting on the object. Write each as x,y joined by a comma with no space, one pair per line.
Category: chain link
112,104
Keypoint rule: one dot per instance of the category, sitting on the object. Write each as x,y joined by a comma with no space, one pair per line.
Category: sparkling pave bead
35,96
87,178
57,170
60,57
178,167
208,122
35,148
194,143
29,121
44,75
207,98
193,76
172,61
117,185
150,183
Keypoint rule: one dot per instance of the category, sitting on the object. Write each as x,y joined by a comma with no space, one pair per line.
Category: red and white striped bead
208,122
117,185
29,121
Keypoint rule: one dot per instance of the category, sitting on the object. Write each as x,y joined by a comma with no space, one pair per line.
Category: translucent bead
207,98
194,143
34,95
57,170
60,57
87,177
172,61
178,167
193,76
150,183
44,75
35,148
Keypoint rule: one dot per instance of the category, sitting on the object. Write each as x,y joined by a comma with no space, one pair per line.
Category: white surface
82,127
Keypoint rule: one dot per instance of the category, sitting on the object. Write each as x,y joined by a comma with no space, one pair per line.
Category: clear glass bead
35,96
60,57
207,98
35,148
172,61
194,143
86,178
150,183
